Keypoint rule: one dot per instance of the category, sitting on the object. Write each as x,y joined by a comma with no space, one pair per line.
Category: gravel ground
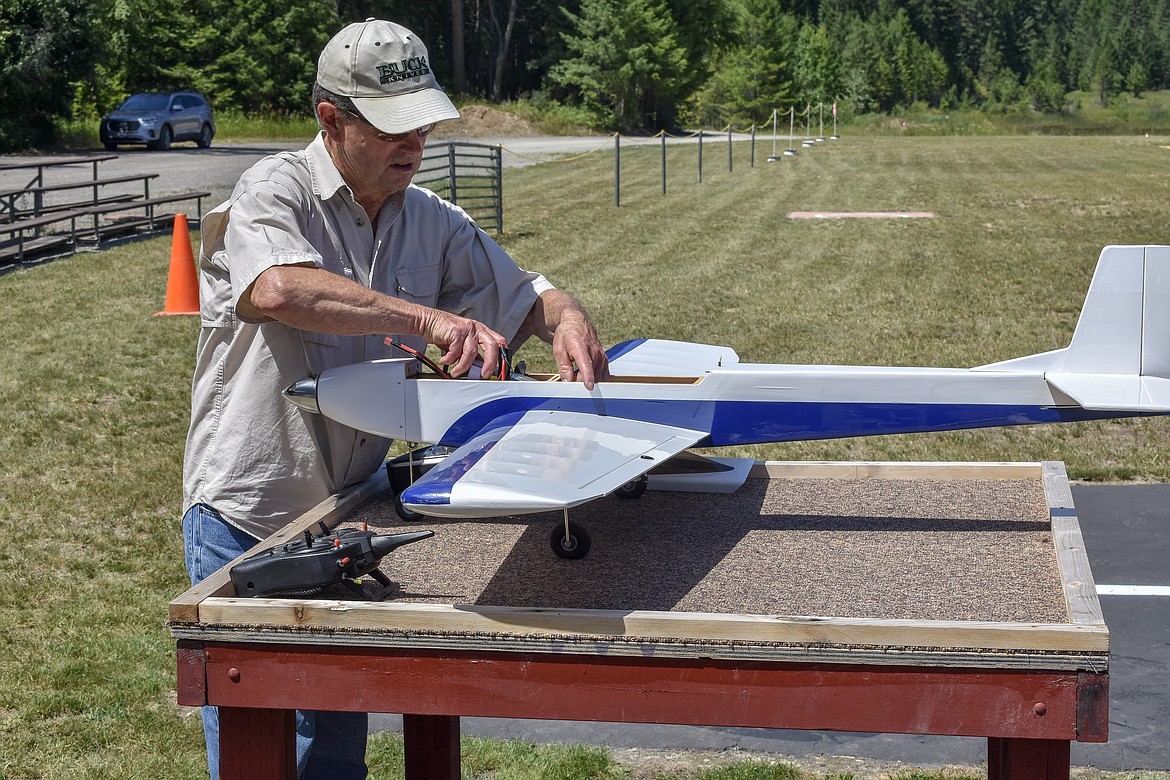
651,764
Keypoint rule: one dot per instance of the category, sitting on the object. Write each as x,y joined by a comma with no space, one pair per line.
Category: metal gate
470,176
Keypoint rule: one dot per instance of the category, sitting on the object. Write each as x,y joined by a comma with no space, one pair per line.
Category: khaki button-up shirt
253,457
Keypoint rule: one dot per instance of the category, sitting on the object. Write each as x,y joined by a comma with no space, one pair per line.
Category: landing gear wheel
575,545
633,489
409,515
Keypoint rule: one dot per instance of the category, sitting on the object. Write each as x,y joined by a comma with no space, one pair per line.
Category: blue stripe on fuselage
753,422
759,422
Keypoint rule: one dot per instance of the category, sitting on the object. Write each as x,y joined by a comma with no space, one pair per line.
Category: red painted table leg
431,745
1027,759
257,744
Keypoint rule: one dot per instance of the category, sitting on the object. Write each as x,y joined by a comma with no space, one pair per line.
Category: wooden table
1028,683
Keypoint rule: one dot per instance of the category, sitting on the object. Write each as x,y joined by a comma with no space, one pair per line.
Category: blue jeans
329,744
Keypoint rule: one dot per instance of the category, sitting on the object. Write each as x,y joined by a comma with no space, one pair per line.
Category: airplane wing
541,461
660,357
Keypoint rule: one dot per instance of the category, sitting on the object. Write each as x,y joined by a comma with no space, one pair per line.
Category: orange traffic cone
182,284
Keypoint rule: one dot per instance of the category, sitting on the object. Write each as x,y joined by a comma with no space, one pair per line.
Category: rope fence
471,174
808,141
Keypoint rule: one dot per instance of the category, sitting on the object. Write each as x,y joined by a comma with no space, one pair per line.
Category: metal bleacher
42,218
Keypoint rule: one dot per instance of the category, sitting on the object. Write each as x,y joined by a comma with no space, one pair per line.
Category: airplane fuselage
744,404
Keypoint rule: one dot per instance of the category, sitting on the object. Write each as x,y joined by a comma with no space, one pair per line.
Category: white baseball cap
385,70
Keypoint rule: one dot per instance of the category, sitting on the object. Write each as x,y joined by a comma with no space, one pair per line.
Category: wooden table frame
1030,690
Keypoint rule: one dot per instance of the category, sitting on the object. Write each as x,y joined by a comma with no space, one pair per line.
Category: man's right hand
313,299
463,341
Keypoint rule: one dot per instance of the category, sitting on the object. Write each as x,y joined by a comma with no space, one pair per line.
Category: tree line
634,65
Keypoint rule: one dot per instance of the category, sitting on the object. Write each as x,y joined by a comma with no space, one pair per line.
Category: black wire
505,363
505,359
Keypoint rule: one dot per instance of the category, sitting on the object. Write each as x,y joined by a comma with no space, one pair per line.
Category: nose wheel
570,540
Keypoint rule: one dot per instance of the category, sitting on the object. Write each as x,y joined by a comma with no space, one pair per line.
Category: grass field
1000,272
96,388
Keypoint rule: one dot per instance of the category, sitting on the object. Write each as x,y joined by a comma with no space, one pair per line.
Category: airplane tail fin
1119,356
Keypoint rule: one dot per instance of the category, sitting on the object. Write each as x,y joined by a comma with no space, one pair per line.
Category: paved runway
1127,535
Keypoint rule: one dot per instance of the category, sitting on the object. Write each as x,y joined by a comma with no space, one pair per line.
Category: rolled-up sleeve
266,229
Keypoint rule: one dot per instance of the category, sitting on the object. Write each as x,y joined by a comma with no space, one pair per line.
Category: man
315,258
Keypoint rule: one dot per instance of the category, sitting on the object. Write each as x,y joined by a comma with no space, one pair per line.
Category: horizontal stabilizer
1114,392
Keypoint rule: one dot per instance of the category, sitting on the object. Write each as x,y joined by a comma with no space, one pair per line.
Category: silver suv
157,120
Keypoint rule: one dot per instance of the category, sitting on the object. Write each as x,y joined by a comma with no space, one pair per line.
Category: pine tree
625,61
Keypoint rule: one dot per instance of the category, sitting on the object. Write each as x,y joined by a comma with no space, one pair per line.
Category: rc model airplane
533,443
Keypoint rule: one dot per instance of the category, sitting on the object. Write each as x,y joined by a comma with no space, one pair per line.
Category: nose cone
303,393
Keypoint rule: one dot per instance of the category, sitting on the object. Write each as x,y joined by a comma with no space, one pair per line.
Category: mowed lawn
1001,270
96,388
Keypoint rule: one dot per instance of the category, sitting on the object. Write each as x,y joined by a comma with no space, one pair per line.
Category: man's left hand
578,352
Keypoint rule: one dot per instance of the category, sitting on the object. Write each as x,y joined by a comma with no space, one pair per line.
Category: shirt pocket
419,284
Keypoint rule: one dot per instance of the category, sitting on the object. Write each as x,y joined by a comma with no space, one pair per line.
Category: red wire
390,342
504,359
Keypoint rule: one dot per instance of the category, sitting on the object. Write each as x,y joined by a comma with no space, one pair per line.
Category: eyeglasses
390,138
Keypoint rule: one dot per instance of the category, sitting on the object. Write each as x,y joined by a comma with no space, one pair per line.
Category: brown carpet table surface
887,549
